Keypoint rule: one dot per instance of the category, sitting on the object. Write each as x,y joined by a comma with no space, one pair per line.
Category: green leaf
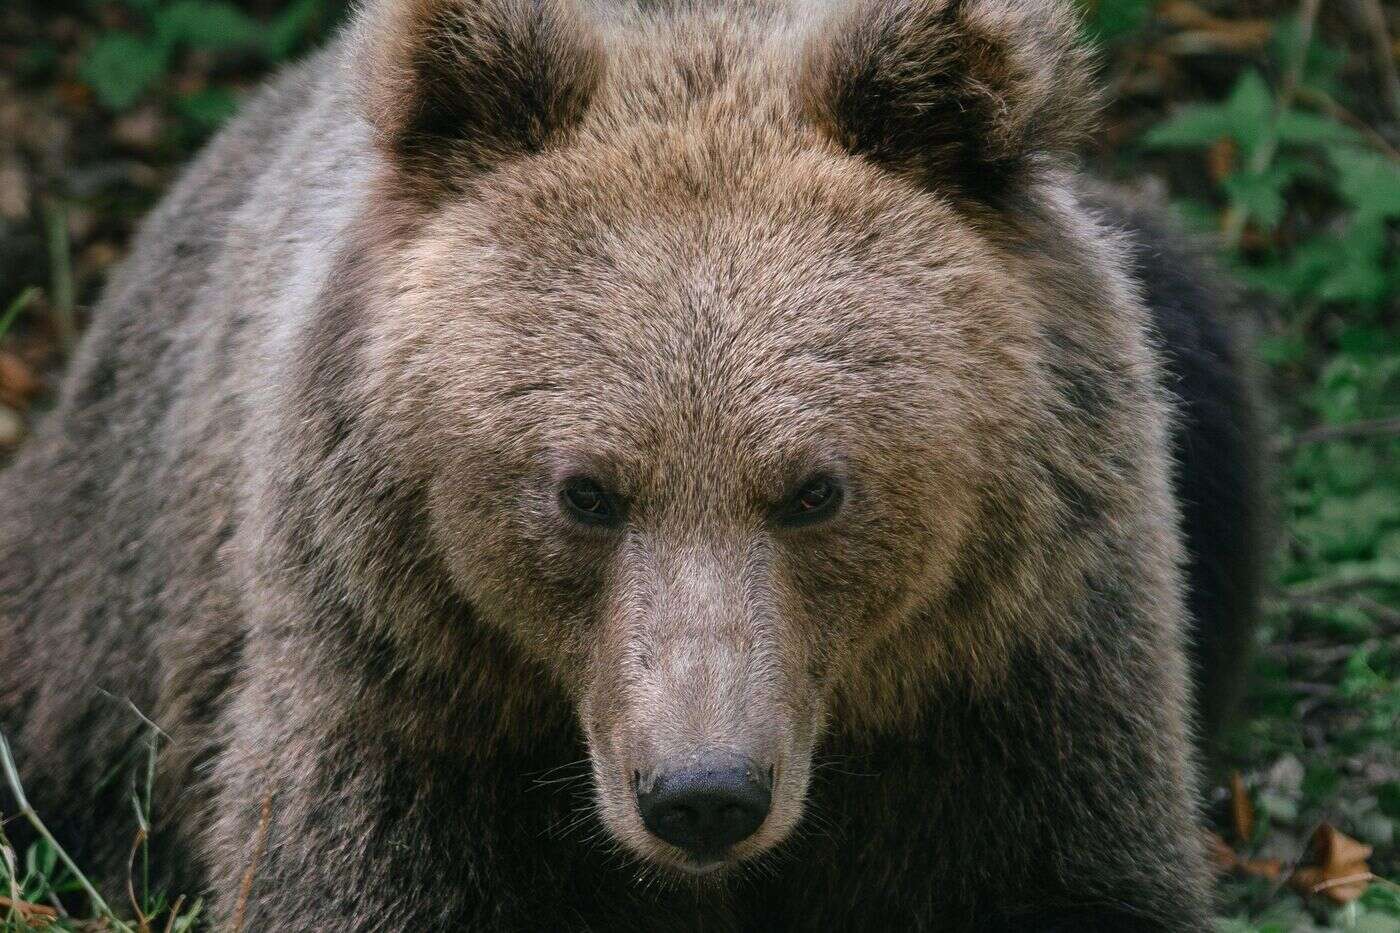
208,108
285,32
1360,273
1303,129
1367,180
1282,350
1382,898
1321,62
1246,116
187,921
207,24
1251,110
1388,550
1109,21
1350,267
22,301
1376,923
1195,125
1368,341
1348,469
1359,283
1234,925
1347,529
1359,679
1320,782
1259,196
1198,216
1277,806
121,66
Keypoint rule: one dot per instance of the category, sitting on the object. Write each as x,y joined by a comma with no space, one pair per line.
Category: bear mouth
697,869
702,868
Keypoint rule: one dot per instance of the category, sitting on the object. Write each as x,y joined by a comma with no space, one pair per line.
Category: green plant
1303,200
122,66
1112,21
36,886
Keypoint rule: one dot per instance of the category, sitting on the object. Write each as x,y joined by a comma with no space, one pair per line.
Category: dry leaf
1221,857
141,130
1225,860
1205,32
75,95
1269,869
1239,37
1241,809
14,192
1221,159
11,427
16,378
35,915
1335,866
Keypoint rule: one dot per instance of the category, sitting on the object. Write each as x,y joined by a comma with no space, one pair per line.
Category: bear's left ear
965,94
454,87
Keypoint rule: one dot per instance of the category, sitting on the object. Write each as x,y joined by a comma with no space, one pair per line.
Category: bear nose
706,807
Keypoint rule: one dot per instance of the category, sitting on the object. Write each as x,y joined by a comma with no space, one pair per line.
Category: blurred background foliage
1271,127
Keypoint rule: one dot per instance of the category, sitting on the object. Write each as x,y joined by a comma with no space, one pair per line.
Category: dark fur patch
463,84
965,96
1217,467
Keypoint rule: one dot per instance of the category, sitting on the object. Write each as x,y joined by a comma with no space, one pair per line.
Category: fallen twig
1314,652
62,291
1339,586
24,300
27,909
259,844
143,924
174,913
1336,111
1371,428
1371,18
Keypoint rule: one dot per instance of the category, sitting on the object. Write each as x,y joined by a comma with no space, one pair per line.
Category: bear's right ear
454,87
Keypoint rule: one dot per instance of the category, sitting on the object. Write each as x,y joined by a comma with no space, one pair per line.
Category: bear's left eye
816,500
587,503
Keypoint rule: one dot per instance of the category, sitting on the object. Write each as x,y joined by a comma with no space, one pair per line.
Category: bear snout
706,804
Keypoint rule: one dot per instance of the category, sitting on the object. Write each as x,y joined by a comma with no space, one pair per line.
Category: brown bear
642,466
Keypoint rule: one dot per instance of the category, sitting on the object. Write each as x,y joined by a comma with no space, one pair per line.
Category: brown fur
964,95
517,74
696,252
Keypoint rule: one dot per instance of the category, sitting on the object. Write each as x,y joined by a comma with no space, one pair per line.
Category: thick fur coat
299,501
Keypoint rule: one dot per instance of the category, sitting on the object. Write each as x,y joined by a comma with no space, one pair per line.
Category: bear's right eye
587,503
815,501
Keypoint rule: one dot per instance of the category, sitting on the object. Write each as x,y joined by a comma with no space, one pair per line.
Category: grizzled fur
299,499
